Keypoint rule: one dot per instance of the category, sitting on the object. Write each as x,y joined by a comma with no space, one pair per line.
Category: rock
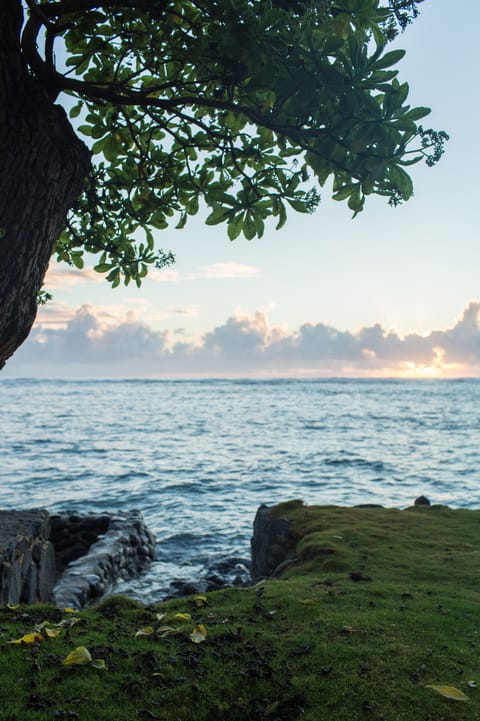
369,505
69,558
220,573
73,535
27,559
123,548
179,588
422,501
271,544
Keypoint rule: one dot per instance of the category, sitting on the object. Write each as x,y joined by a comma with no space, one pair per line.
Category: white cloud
190,311
164,275
219,271
58,315
229,270
60,277
111,342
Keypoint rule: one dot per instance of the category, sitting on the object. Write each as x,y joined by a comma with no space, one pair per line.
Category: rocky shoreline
73,560
69,559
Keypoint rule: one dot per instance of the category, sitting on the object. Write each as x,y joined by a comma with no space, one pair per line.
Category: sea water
198,457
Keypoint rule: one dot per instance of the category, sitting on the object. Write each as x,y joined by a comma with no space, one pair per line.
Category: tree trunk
42,172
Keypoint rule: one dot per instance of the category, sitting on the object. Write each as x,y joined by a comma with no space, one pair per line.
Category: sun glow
439,368
412,370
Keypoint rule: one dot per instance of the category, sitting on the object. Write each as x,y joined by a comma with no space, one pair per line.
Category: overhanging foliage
247,105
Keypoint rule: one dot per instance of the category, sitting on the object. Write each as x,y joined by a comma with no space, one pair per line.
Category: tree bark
42,172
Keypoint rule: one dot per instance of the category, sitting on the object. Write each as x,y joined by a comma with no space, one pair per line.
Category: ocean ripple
198,457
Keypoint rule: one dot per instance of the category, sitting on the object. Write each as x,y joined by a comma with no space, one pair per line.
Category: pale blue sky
414,269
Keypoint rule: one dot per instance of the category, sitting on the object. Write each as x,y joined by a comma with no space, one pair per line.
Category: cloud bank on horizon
96,342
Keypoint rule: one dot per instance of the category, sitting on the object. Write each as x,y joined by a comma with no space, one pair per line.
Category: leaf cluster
243,106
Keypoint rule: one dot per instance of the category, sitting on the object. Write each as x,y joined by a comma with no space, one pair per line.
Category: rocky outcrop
125,548
225,572
70,559
273,549
27,557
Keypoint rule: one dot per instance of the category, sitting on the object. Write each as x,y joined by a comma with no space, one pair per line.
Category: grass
382,604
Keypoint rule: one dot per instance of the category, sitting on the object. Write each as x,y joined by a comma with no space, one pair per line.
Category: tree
247,106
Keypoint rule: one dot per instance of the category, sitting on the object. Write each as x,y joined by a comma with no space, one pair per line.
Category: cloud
214,271
164,275
58,315
60,277
229,270
105,342
189,311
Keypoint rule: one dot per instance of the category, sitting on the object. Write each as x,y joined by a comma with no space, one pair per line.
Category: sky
392,293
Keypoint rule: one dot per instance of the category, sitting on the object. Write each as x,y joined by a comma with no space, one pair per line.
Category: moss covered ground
383,605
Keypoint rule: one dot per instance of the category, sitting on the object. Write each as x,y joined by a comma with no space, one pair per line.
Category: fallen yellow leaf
272,708
34,637
52,632
182,617
350,629
80,656
13,606
307,601
165,631
99,663
68,622
200,601
449,692
199,634
70,610
145,631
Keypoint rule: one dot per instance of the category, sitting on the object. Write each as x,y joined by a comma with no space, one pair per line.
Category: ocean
198,457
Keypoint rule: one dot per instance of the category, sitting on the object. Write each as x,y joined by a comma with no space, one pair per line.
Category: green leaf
344,192
85,130
402,179
114,275
356,201
249,227
219,215
102,267
234,227
182,222
192,206
404,124
77,260
75,111
282,215
298,205
417,113
111,148
388,59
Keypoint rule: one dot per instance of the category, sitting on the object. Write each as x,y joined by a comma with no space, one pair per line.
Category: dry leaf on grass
448,692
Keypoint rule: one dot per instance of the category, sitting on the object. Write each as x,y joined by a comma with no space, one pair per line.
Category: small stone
356,576
422,501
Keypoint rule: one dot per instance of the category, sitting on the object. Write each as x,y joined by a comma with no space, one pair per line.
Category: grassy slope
316,644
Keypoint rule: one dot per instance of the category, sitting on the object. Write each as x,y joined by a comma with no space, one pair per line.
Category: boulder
272,545
27,557
69,558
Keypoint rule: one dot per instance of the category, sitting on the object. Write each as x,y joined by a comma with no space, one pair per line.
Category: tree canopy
249,106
